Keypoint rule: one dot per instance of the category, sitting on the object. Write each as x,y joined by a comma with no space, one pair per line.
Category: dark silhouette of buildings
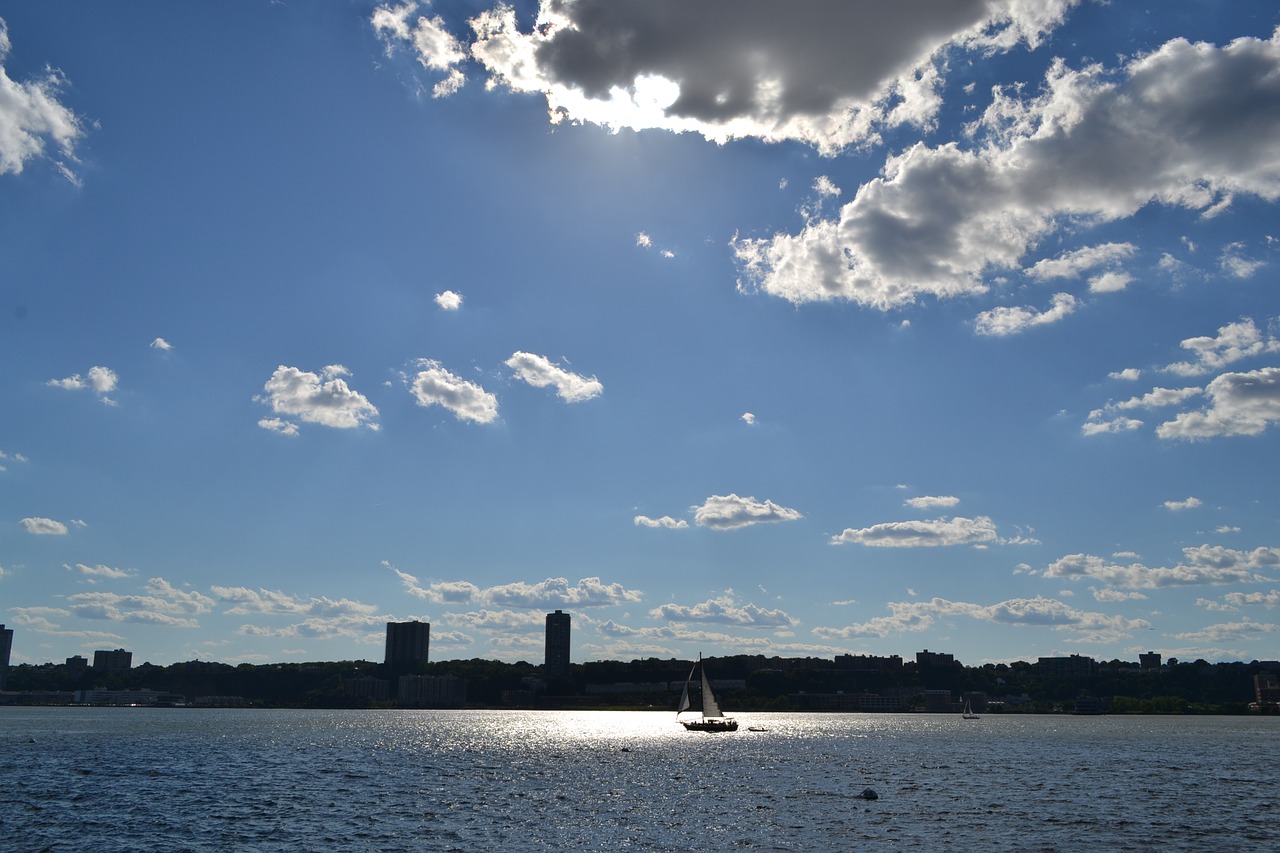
408,644
6,646
557,649
106,661
1074,666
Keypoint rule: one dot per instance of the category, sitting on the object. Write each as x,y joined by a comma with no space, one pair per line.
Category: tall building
557,654
407,643
6,646
107,661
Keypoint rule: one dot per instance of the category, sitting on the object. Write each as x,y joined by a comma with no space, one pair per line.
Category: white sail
684,696
710,708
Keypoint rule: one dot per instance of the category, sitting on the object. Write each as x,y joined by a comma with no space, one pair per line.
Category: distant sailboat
968,712
712,719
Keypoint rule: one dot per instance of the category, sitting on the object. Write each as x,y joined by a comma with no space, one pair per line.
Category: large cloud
323,398
827,72
32,118
1189,125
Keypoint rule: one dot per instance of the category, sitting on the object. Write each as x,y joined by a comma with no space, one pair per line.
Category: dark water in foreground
106,779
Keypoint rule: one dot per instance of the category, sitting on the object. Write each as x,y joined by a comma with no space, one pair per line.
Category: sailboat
968,714
712,719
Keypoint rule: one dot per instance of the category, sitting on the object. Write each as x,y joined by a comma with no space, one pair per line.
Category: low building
366,686
431,691
128,697
937,701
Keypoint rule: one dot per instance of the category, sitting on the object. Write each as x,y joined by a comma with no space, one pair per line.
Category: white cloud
323,399
1105,420
432,385
922,534
1129,374
1268,600
911,616
725,610
824,186
730,512
1239,404
1202,565
1228,631
274,602
1234,342
500,621
1004,320
283,427
161,344
44,526
588,592
665,521
449,301
1110,282
643,240
32,120
100,380
437,50
1182,125
748,418
1189,503
932,501
160,604
100,571
1236,265
538,371
1073,264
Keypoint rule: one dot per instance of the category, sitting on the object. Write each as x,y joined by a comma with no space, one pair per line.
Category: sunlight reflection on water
130,779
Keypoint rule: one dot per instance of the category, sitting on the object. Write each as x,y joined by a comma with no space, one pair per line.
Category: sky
736,327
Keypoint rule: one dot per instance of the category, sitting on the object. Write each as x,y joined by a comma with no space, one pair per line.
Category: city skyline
724,328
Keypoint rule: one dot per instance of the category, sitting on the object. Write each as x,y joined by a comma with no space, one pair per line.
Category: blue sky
731,327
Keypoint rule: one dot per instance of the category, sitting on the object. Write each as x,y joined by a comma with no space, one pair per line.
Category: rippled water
107,779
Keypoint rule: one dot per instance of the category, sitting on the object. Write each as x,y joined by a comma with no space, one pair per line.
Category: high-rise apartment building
557,651
408,644
6,646
107,661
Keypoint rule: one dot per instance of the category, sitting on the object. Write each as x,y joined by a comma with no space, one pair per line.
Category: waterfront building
366,686
144,696
937,701
1150,660
6,646
106,661
432,691
408,644
77,665
1266,688
557,646
1074,666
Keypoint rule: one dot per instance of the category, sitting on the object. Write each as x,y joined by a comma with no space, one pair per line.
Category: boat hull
721,724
